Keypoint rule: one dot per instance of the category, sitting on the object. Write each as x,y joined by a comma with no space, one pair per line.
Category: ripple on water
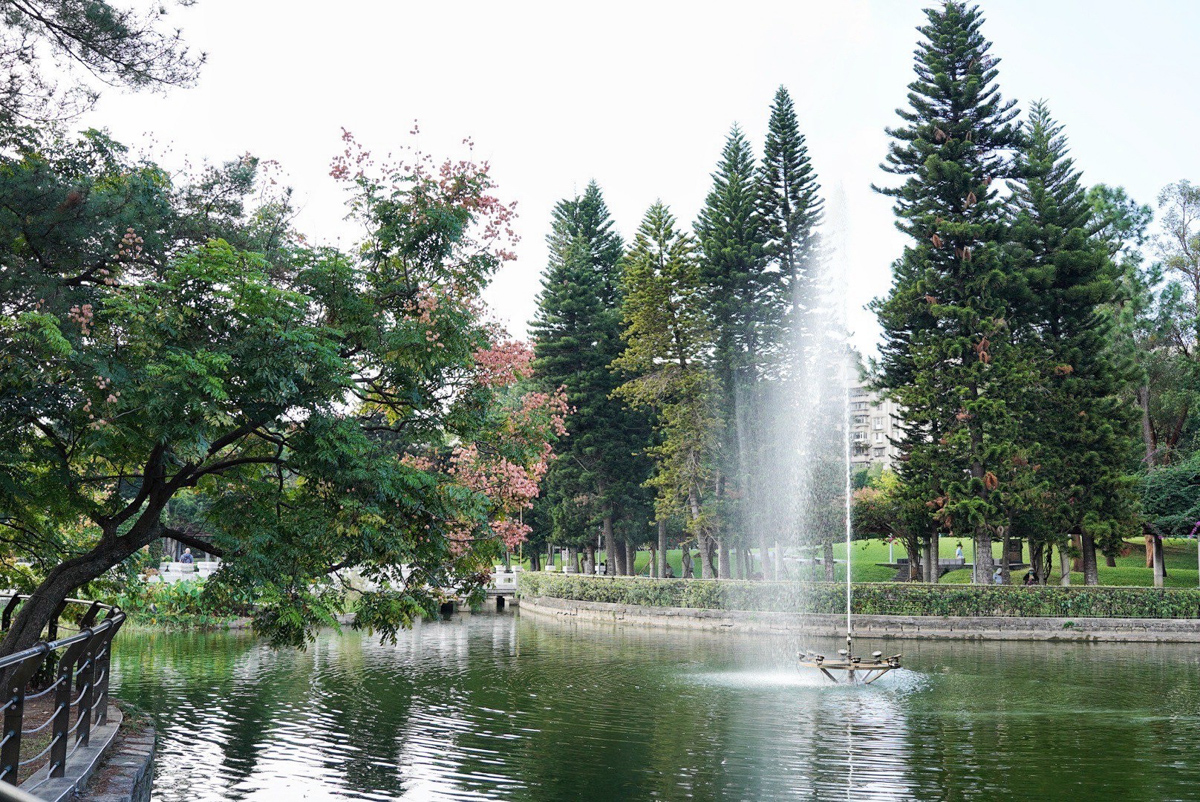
493,708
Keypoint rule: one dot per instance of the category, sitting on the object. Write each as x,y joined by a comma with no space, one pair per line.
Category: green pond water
499,707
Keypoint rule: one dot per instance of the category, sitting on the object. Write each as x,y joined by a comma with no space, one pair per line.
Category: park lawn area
1131,570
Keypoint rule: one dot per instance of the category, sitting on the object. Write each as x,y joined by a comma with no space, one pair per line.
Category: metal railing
71,672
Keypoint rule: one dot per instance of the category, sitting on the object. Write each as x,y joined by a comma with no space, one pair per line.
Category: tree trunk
550,556
1064,565
630,559
618,568
34,614
1148,438
662,548
1091,571
1036,556
764,549
685,568
724,566
589,559
1149,550
1005,559
572,560
928,563
1110,560
1160,566
535,560
984,565
610,545
1077,562
830,574
779,572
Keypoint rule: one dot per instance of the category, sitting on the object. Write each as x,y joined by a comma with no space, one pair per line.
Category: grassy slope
1181,562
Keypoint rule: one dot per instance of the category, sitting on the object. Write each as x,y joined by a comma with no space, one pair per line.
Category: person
1030,579
998,576
669,573
958,554
603,570
187,558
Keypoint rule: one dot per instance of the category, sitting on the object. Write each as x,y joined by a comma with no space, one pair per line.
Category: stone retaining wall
1140,630
126,772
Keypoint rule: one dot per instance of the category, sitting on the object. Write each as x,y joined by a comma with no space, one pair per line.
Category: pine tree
947,356
596,483
737,294
1078,428
667,336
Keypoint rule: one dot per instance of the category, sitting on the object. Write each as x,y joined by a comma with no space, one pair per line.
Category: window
859,406
860,420
879,437
860,435
877,423
879,452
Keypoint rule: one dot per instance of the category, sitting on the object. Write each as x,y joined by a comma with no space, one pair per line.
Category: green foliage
874,598
597,479
309,410
187,604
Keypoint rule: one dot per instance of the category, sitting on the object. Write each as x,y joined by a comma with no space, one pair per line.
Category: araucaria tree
738,297
326,410
1075,424
596,485
666,334
948,355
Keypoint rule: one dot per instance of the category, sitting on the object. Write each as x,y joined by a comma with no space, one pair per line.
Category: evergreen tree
667,337
1077,427
737,293
792,208
596,484
948,356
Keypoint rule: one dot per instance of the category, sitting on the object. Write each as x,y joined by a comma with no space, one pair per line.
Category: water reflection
494,707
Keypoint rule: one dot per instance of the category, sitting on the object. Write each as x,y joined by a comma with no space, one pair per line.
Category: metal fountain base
853,670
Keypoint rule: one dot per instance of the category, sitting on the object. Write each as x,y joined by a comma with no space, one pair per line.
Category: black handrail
77,664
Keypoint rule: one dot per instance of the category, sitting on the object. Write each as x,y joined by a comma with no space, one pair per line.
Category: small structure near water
857,670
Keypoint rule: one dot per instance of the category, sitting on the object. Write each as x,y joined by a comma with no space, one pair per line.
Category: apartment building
874,425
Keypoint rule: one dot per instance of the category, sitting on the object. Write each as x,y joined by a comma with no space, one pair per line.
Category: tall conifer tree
596,482
792,211
738,292
1082,433
947,355
667,338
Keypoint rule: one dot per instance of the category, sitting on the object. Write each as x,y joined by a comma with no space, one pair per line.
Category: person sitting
1030,579
998,576
669,573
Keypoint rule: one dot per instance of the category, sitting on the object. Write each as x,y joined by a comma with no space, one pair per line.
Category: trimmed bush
876,598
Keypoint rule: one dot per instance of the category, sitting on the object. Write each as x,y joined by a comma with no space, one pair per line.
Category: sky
640,96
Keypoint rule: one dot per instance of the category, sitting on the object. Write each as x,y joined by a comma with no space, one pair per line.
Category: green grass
1130,571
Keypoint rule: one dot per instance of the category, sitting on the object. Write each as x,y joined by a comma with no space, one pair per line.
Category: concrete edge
126,774
1119,630
79,765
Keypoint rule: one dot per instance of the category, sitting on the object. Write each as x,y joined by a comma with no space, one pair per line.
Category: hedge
875,598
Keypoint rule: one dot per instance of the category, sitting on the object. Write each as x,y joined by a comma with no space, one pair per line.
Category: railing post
62,708
9,608
14,708
85,684
102,659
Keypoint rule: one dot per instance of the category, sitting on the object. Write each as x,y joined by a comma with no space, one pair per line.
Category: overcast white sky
640,97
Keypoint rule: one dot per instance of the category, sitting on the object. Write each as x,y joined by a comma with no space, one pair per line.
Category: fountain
820,411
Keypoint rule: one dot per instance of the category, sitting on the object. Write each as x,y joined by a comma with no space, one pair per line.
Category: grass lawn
1181,562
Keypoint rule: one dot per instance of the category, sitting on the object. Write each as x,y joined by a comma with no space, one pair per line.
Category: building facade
874,429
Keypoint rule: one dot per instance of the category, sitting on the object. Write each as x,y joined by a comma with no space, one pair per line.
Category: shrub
876,598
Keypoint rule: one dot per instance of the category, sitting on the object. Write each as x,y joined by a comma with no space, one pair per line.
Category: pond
496,706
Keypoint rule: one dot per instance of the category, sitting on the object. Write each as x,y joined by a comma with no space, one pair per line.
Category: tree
666,335
112,45
947,356
1075,424
329,410
738,293
577,333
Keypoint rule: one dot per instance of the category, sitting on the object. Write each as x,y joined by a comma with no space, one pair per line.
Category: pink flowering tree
322,420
